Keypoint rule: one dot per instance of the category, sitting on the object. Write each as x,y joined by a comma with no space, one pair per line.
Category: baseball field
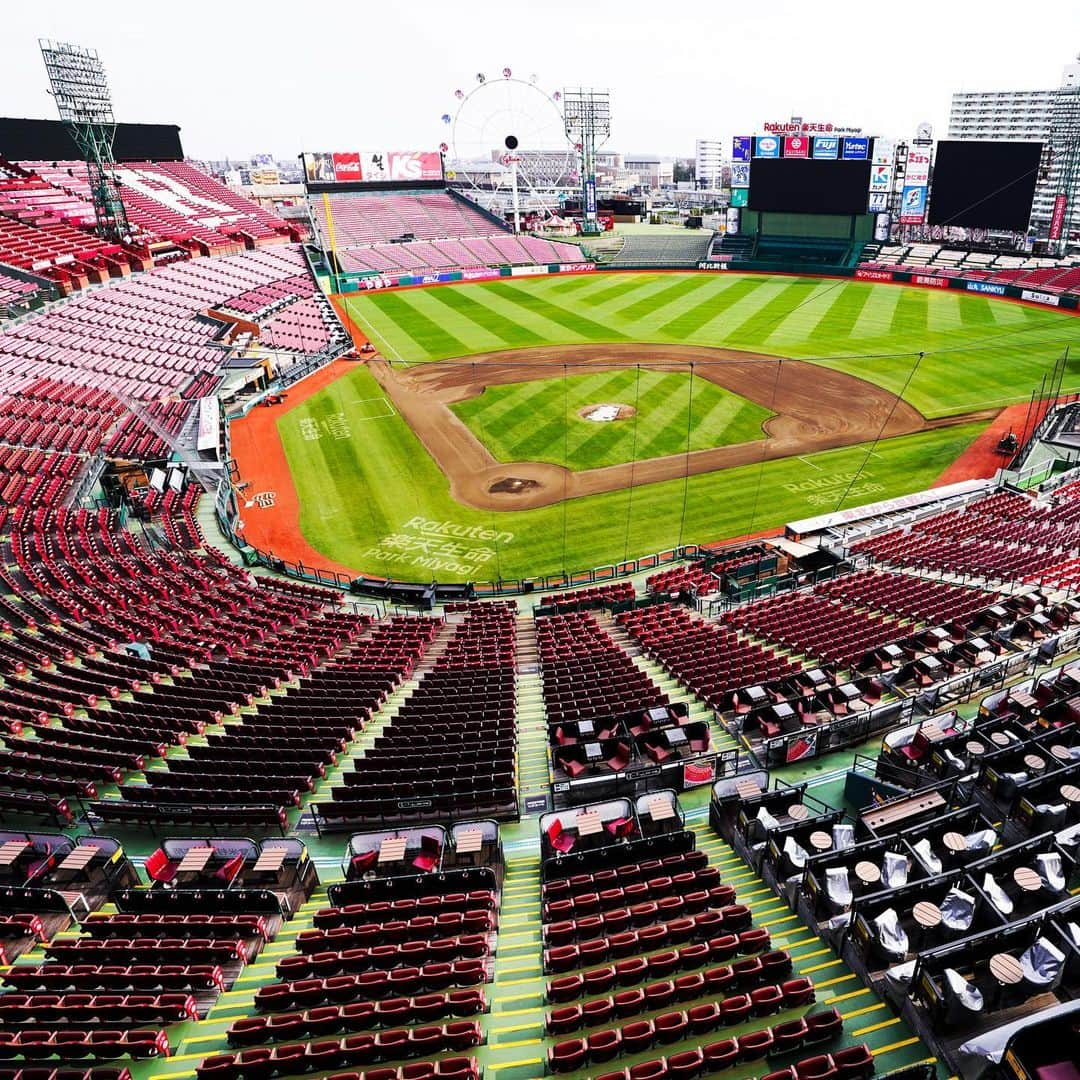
529,426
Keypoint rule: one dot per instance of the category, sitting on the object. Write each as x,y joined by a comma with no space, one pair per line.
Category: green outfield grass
978,351
373,499
539,420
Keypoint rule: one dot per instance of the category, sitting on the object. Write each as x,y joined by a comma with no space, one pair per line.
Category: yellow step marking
900,1046
864,1010
515,1043
500,1065
878,1027
820,967
838,979
846,997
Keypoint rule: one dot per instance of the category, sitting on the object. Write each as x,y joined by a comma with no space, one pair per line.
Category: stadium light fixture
587,122
81,91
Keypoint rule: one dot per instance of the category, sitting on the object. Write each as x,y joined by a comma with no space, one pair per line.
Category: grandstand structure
255,828
402,232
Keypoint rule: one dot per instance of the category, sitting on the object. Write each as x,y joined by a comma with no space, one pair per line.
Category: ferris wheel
506,145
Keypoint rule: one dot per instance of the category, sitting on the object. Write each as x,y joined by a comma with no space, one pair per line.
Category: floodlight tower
82,97
1065,147
587,119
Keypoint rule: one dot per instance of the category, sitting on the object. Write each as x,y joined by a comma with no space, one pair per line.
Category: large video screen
808,186
987,185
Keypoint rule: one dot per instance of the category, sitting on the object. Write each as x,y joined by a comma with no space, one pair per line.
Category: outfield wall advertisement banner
913,204
766,146
796,146
1057,218
826,147
372,166
856,148
1050,299
740,148
987,287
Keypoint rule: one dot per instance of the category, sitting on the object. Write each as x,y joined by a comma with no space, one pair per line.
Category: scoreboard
812,174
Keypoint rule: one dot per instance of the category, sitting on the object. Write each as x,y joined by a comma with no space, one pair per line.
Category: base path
816,409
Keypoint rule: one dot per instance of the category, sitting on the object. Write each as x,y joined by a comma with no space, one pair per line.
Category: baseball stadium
494,610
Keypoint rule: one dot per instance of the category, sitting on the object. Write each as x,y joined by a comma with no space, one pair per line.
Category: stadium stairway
533,770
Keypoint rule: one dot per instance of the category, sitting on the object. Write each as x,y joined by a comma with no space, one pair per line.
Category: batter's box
372,408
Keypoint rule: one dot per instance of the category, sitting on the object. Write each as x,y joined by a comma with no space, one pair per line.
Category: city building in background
1023,114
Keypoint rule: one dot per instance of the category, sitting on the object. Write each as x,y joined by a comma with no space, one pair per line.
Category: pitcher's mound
512,485
605,414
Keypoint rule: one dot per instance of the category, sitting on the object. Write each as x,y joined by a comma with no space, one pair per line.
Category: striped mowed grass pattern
540,419
910,340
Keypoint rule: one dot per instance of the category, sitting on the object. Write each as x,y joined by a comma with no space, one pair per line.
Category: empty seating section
1039,272
813,624
595,597
1002,537
16,294
449,749
411,986
172,200
586,676
671,250
710,659
426,230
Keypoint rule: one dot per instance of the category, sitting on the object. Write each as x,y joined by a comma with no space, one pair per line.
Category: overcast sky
273,77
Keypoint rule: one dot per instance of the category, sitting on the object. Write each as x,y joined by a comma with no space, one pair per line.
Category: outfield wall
1040,297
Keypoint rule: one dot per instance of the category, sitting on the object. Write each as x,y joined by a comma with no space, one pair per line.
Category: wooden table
270,860
10,851
76,860
926,915
1070,793
820,840
974,748
798,812
954,842
1006,969
999,738
1034,762
195,860
589,824
867,872
392,849
660,809
1061,753
903,809
468,841
747,789
1025,700
1026,879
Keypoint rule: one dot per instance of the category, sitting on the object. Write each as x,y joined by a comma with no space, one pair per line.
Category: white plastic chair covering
927,856
957,909
891,934
955,762
1042,963
1073,930
838,886
795,852
843,837
768,822
1050,871
899,976
960,991
997,894
1069,837
983,840
895,870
